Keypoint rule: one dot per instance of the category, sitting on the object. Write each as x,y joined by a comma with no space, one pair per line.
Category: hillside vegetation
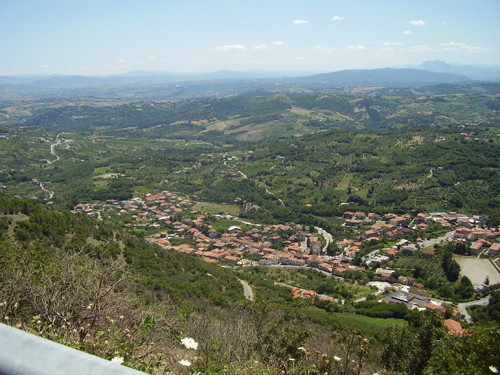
80,265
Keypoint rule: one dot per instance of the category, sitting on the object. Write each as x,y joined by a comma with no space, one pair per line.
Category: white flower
494,369
185,362
337,359
117,360
189,343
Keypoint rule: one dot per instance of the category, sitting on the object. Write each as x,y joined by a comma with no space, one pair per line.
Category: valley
274,206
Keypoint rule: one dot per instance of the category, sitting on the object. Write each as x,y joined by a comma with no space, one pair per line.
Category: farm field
477,270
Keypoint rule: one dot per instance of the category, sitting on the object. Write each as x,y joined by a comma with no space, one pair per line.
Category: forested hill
264,114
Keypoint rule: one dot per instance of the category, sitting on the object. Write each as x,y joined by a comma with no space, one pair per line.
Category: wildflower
6,317
89,306
291,359
494,369
15,305
302,348
185,362
121,317
117,360
366,341
337,359
189,343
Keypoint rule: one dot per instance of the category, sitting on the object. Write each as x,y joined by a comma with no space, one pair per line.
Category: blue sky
91,37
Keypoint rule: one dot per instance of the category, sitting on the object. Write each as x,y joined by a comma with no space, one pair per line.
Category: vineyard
429,266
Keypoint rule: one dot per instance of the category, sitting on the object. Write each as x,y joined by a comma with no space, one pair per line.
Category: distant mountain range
473,72
160,85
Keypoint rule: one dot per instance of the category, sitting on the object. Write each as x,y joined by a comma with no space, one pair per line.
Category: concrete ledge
22,353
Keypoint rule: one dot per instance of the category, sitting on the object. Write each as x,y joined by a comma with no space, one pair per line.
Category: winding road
462,307
247,290
245,176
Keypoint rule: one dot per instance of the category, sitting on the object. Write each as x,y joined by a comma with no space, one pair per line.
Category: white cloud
151,58
323,49
44,66
262,47
387,49
229,47
407,32
91,62
299,22
300,58
277,43
421,48
452,46
338,18
417,23
358,48
393,44
121,61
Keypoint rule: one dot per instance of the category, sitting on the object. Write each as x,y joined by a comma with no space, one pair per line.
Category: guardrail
22,353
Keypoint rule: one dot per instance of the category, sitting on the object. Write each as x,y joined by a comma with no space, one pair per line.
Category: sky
105,37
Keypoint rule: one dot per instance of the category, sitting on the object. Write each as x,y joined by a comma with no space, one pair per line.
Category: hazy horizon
98,38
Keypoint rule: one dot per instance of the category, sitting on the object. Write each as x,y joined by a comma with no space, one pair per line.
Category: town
297,245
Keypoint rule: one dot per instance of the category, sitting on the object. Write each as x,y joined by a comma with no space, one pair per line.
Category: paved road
432,242
247,290
328,237
463,311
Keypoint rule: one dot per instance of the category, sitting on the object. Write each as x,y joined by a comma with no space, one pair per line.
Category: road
432,242
327,236
53,153
247,290
245,176
463,311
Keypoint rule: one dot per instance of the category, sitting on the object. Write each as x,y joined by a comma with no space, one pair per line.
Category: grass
215,208
101,170
365,325
130,141
344,185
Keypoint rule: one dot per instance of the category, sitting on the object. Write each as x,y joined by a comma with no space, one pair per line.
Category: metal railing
22,353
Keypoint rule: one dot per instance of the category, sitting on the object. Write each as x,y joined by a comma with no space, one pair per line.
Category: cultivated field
477,270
